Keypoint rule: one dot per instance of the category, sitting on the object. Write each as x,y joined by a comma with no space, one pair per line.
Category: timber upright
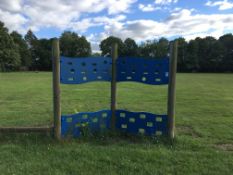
56,88
172,89
153,71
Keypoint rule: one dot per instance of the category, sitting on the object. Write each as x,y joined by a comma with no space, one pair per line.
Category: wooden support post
172,89
56,88
114,55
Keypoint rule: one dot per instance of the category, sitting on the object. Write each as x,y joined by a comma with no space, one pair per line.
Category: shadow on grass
98,139
109,138
26,138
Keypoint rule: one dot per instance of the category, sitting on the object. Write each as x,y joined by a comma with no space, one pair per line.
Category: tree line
27,52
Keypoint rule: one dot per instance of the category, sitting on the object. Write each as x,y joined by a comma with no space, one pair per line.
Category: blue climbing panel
144,70
142,123
77,124
82,70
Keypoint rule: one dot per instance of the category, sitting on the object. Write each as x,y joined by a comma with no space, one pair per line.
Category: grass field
204,120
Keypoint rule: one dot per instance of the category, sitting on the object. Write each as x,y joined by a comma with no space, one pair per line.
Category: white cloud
11,5
157,5
116,6
222,5
84,24
75,14
165,2
95,39
57,13
66,13
104,21
181,23
148,7
13,21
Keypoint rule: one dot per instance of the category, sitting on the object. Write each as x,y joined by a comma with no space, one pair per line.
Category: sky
137,19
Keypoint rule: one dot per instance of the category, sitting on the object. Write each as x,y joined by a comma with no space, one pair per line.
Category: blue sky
138,19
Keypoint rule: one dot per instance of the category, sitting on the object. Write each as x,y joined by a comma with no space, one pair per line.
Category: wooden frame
114,55
172,89
56,88
171,100
57,97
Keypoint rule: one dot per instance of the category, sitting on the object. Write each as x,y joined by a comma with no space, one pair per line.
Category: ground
204,134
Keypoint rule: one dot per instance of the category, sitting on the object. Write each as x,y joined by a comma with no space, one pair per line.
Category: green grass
204,120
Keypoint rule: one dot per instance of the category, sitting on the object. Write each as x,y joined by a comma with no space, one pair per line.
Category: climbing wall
143,70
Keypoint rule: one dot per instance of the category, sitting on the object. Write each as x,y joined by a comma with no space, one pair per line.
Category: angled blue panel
144,70
77,124
82,70
141,123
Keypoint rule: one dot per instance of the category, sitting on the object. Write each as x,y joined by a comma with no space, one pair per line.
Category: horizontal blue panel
82,70
77,124
144,70
142,123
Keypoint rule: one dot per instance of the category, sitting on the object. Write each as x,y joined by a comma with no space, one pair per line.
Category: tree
106,44
217,57
154,48
9,52
24,52
162,48
204,52
96,54
181,60
227,61
130,47
44,54
199,55
83,47
32,43
74,46
148,48
30,39
192,61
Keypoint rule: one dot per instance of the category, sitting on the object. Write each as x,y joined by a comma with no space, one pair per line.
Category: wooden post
56,88
172,89
114,56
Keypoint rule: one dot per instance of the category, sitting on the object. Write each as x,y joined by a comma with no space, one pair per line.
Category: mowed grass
204,121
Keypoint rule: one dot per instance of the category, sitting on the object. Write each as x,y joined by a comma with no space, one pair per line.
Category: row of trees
151,48
199,55
206,54
30,53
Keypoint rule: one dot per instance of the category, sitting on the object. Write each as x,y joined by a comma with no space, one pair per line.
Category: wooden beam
26,129
113,85
172,89
56,88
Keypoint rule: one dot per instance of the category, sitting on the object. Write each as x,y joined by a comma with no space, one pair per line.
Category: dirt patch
224,146
188,130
